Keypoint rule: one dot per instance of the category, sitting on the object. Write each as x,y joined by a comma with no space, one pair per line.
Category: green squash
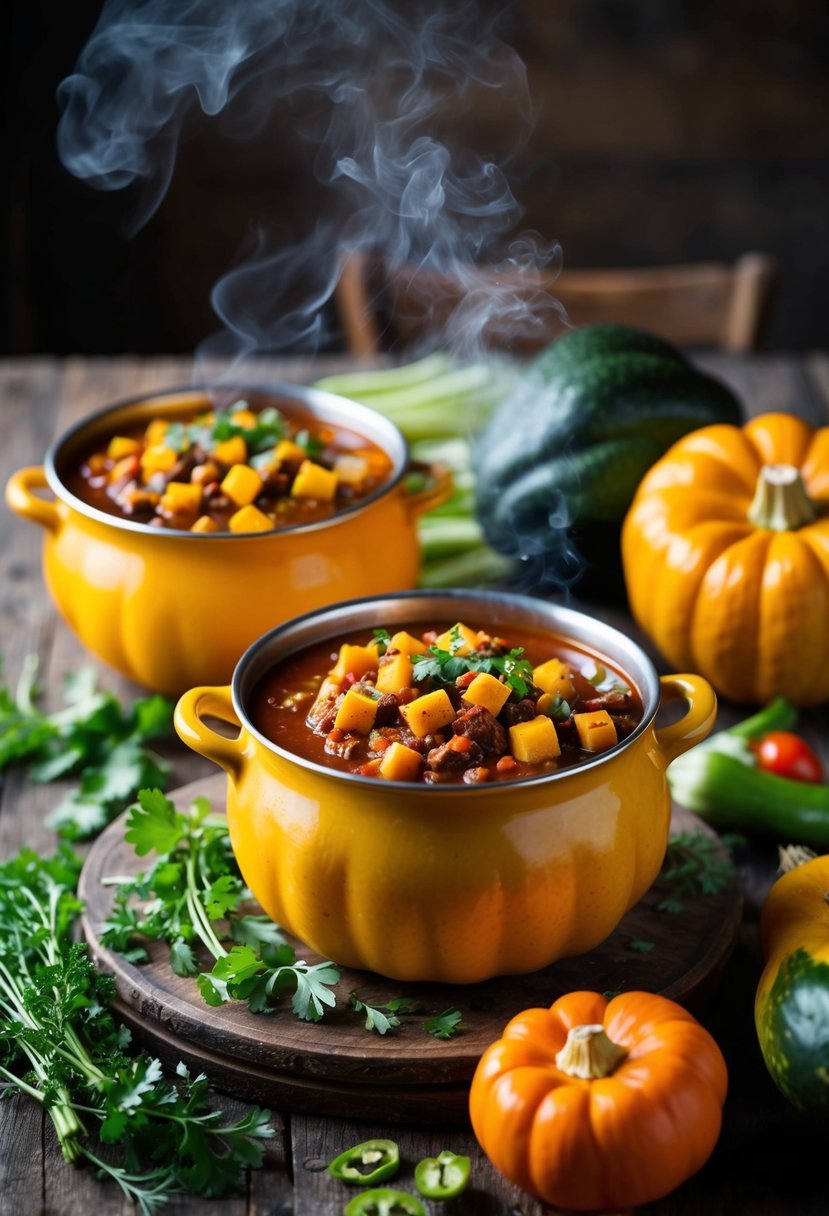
559,461
791,1005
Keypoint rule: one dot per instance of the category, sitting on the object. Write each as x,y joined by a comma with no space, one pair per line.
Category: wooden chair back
705,304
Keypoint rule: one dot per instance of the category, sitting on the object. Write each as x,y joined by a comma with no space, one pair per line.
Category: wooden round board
335,1066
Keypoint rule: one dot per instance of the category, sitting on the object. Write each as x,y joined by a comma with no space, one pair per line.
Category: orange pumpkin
726,556
590,1104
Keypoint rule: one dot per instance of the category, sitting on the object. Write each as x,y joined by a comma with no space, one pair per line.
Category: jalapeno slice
383,1201
371,1161
442,1177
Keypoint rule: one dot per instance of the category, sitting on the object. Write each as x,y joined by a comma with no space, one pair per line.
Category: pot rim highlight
323,406
570,624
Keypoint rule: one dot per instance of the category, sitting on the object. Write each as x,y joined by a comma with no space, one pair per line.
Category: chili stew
234,469
453,704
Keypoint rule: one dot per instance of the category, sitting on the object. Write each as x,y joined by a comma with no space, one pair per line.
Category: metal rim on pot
522,610
327,407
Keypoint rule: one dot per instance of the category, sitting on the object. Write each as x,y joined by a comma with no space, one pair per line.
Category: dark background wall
667,130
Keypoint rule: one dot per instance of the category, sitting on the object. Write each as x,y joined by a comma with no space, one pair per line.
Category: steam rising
366,86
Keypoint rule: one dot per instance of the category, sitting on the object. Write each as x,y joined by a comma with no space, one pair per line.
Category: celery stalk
385,379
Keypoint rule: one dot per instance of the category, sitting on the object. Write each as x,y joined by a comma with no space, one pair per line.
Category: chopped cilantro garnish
444,667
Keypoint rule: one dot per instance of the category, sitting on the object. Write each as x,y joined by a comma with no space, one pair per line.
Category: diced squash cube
429,713
244,417
231,451
313,481
534,741
351,470
181,496
554,677
357,661
597,730
250,519
156,431
242,484
356,713
289,453
400,763
407,644
487,691
205,523
157,459
466,640
395,674
120,446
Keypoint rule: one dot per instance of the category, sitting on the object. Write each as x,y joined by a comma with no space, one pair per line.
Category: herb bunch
194,899
60,1046
92,737
194,884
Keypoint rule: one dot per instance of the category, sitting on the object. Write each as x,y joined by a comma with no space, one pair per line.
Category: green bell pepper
442,1177
383,1201
719,780
366,1163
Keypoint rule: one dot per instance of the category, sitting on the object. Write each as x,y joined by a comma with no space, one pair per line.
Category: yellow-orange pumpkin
726,557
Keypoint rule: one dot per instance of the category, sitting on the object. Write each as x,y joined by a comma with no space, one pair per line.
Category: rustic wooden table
769,1160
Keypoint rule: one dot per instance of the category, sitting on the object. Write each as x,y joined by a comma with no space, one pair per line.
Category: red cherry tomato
787,755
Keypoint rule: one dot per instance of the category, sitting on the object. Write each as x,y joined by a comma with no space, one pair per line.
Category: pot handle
20,498
696,723
435,490
227,753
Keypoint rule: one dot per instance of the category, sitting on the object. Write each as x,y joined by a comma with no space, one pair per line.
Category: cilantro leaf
444,667
380,1018
445,1025
154,824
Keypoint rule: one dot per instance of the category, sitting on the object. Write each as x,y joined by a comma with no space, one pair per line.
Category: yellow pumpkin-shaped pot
726,558
171,609
452,883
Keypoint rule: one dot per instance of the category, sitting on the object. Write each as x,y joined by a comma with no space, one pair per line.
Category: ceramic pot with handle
449,883
171,609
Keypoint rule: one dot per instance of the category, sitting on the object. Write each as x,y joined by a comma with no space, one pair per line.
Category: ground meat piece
625,725
518,711
387,710
482,728
184,466
322,713
475,776
342,747
397,734
445,759
276,484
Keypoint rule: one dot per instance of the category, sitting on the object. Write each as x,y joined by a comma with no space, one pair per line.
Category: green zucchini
560,459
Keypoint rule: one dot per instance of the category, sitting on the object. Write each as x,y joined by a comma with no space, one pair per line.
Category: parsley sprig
93,737
443,667
194,897
60,1046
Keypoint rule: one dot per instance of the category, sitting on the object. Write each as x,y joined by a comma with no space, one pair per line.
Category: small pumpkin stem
781,501
589,1053
791,856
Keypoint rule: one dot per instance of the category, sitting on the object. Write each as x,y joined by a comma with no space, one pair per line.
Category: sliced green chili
371,1161
442,1177
383,1201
